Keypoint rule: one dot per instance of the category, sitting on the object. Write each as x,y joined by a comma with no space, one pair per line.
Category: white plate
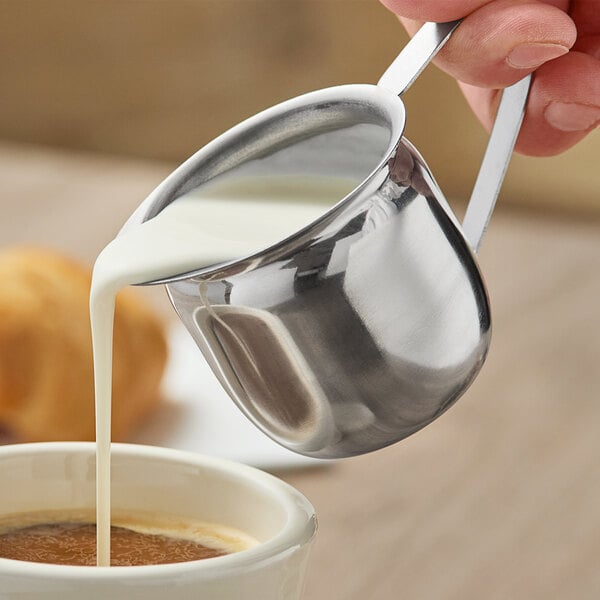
199,415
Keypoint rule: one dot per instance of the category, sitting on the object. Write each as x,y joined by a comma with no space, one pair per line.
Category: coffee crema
69,538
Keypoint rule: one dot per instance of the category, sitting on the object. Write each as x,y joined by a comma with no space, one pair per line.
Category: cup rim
299,529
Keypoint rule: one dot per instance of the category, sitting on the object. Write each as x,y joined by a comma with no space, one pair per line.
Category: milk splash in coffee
223,220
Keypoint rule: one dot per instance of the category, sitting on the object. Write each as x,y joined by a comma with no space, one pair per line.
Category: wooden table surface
500,498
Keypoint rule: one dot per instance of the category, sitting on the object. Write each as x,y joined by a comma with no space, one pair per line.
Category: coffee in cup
156,490
69,538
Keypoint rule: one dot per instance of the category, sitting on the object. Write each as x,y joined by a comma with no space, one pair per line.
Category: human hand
501,41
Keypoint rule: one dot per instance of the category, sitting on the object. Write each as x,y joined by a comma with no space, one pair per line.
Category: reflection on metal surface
366,325
263,362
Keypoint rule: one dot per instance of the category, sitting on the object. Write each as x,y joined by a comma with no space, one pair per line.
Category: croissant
46,372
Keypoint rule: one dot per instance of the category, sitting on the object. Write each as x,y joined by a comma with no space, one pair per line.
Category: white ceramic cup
61,475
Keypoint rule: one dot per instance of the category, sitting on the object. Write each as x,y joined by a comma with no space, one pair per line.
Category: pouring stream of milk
221,221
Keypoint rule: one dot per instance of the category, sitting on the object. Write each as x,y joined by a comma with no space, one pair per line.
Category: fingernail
529,56
570,116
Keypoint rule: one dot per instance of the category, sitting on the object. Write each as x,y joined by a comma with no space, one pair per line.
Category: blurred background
158,79
499,499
